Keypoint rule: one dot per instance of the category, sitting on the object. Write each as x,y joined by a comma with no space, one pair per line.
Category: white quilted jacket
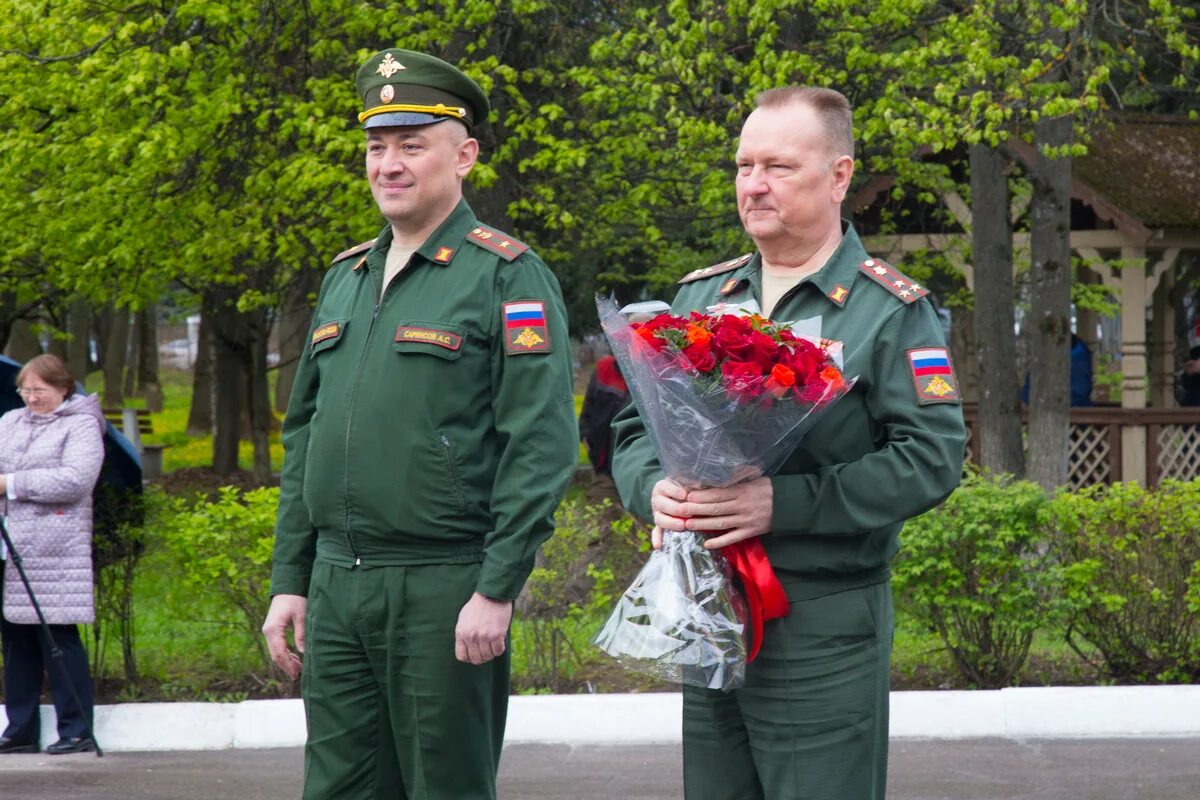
54,460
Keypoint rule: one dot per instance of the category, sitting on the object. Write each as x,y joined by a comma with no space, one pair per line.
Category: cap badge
389,67
387,92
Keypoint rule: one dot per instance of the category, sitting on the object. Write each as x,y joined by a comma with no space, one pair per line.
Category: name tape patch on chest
408,333
933,375
525,327
330,330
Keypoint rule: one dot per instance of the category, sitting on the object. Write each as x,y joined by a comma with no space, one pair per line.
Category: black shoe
8,745
75,744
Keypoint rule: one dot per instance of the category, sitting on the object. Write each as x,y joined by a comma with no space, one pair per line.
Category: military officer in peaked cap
429,438
811,722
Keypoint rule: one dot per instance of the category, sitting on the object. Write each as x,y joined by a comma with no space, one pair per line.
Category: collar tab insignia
839,295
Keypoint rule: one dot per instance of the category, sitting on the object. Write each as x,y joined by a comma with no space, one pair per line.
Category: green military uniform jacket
433,426
888,450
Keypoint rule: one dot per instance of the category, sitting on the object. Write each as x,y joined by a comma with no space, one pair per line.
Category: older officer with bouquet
811,721
429,438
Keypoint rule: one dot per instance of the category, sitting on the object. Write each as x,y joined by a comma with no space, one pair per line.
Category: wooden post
1133,360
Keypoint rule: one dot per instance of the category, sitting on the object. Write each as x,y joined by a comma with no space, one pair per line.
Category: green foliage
594,554
224,547
974,570
1132,579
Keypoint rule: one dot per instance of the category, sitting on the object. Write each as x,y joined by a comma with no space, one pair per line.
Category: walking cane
55,653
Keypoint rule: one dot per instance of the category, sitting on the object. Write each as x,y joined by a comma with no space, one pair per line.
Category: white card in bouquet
810,329
744,308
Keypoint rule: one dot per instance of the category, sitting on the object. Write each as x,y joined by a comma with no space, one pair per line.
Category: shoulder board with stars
497,242
716,269
353,251
895,282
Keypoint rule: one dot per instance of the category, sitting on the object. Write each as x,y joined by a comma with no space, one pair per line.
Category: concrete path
964,769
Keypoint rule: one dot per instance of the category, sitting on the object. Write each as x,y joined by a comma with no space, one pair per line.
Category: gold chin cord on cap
439,109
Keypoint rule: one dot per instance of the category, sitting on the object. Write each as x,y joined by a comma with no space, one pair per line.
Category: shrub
973,569
594,553
224,546
1132,580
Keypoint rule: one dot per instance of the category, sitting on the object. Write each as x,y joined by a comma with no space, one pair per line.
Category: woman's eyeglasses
33,392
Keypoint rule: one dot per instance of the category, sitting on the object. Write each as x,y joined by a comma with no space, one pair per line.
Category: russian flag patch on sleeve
933,375
525,328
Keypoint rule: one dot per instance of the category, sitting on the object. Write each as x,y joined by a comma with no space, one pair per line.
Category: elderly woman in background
51,452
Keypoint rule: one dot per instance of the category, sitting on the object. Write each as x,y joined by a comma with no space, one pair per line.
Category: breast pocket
442,340
327,335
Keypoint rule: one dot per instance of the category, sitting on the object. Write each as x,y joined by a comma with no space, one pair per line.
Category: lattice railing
1094,447
1179,452
1088,456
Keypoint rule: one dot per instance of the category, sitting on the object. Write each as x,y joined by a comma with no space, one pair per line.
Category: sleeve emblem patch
933,375
525,327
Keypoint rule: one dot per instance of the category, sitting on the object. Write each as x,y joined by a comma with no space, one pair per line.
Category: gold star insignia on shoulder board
389,66
893,280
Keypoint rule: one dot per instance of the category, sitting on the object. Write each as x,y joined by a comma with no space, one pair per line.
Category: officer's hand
666,501
287,611
482,627
741,511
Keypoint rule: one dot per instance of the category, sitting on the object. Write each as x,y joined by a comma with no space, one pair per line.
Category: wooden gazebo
1135,228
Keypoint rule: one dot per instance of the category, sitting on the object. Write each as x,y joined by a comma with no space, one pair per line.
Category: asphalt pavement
970,769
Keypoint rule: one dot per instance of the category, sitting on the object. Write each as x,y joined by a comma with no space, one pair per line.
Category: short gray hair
831,106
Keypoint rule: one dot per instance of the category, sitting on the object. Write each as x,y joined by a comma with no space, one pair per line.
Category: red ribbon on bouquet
765,597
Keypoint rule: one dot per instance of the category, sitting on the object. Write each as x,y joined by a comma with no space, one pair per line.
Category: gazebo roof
1140,174
1148,166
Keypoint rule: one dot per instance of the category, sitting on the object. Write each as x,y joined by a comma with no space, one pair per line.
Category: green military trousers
391,712
811,723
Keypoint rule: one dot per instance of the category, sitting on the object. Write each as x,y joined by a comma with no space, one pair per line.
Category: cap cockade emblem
387,93
389,66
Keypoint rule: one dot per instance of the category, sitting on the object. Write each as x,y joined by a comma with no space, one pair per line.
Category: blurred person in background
51,452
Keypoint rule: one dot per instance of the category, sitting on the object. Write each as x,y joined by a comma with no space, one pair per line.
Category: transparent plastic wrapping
714,419
680,621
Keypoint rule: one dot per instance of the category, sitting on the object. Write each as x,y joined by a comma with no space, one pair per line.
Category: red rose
731,338
763,349
700,356
743,380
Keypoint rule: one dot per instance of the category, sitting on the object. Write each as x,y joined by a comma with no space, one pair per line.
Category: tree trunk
22,344
79,349
133,364
1049,328
999,445
200,415
259,395
115,352
147,376
230,343
8,316
294,321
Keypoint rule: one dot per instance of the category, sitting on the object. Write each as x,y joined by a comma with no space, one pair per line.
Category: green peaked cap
400,87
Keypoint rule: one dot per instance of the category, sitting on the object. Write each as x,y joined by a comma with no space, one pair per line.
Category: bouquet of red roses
724,399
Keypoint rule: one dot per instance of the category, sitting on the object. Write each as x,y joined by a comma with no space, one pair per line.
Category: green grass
170,426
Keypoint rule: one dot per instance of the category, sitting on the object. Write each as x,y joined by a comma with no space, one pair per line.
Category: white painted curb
611,719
